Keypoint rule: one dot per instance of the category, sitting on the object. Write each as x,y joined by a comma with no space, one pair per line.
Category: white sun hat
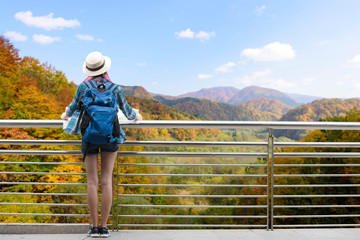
96,64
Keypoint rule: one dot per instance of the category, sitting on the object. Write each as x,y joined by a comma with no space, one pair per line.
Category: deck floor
279,234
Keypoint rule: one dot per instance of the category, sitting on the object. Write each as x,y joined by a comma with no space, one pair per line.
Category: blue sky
177,46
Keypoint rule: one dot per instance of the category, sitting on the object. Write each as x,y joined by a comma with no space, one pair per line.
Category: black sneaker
94,232
104,232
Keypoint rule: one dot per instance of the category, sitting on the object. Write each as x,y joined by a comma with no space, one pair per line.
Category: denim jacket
73,110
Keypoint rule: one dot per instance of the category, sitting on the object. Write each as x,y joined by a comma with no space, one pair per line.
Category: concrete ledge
43,228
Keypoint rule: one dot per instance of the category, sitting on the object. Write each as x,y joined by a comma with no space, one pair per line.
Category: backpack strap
111,86
91,84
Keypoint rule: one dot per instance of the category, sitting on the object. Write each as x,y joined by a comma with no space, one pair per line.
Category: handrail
294,125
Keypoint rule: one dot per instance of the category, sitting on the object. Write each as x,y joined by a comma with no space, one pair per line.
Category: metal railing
257,202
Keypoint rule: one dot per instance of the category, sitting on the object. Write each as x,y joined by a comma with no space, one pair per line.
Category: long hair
98,77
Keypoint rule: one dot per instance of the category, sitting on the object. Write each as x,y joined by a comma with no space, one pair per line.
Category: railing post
270,180
117,192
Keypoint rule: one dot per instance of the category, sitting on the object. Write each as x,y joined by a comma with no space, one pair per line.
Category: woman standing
95,67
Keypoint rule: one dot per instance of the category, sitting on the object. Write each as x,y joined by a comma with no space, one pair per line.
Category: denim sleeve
123,104
76,102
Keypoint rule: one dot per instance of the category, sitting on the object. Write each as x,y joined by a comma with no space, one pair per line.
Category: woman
95,67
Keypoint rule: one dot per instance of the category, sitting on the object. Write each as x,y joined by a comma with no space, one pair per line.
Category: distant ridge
220,94
235,96
136,91
255,92
303,98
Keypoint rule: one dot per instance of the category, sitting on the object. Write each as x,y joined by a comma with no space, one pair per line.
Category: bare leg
107,166
91,163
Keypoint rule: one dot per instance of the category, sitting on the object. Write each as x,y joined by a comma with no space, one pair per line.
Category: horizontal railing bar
46,204
318,165
191,175
193,164
318,144
138,154
318,175
193,225
317,154
194,206
43,173
138,143
47,214
42,183
39,142
39,152
190,154
193,196
189,185
195,124
317,216
194,144
315,225
45,194
144,164
43,163
319,185
316,206
316,196
190,216
187,143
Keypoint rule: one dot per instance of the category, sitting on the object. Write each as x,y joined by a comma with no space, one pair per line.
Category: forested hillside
321,109
212,110
274,106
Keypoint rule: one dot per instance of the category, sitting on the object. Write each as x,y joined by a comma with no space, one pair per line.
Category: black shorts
90,149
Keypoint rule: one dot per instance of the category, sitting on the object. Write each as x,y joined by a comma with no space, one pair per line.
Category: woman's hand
64,116
138,117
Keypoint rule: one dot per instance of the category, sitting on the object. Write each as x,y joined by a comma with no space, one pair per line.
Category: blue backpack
99,120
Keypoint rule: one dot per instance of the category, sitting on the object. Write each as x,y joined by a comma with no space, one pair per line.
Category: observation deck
188,189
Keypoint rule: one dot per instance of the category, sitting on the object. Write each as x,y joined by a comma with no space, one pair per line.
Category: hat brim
100,71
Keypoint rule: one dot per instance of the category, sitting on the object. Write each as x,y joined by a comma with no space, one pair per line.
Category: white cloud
17,37
272,52
324,42
47,22
43,39
281,84
155,83
264,79
261,74
185,34
357,85
201,35
255,79
247,80
204,76
308,81
141,64
355,61
260,10
85,37
225,68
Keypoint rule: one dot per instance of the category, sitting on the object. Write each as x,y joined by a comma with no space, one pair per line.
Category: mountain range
235,96
249,104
